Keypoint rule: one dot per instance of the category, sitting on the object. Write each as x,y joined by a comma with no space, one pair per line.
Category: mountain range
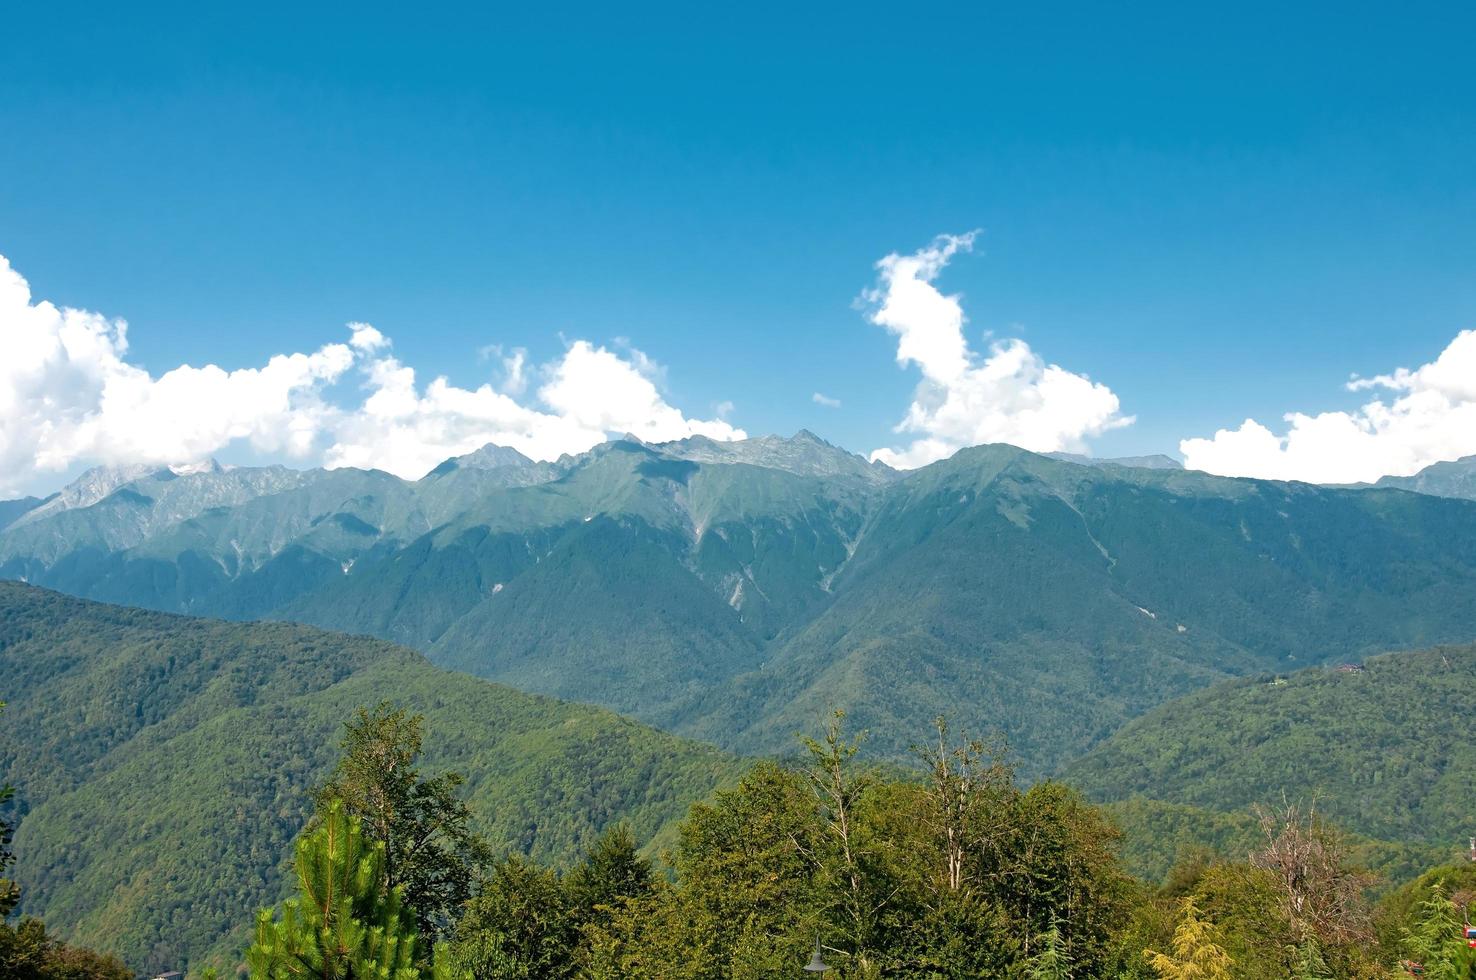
735,591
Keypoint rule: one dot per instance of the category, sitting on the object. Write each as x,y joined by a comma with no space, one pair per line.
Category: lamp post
816,964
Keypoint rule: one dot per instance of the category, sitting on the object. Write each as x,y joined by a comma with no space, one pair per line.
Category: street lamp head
816,964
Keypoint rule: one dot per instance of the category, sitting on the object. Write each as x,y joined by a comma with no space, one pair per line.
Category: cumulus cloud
590,394
1010,395
69,396
825,400
1426,415
67,393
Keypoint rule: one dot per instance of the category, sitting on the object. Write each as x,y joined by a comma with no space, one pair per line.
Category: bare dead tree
839,788
1322,894
966,782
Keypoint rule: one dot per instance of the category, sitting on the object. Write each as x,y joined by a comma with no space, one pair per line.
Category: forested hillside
162,763
1385,749
734,591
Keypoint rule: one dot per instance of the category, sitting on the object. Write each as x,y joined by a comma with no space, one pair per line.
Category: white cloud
591,393
825,400
67,393
1012,395
69,396
1432,418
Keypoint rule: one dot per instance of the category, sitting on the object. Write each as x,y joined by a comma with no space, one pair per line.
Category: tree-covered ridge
1385,748
733,592
195,742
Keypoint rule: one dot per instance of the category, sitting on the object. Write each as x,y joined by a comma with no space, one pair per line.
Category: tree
968,785
1323,896
26,951
749,863
1196,955
1061,867
430,849
1049,962
1310,964
1437,939
612,872
518,927
342,925
840,790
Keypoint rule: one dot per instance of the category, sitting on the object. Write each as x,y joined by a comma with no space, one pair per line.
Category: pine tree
1437,939
341,926
1196,955
1049,961
1310,964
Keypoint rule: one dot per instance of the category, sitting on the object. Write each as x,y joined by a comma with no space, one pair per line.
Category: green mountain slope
1058,601
733,591
1384,751
162,762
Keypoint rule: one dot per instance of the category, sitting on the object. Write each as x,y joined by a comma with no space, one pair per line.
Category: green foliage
1049,961
343,924
9,890
863,860
529,922
1436,940
1196,955
1159,837
423,827
1398,909
520,926
27,952
1310,964
612,873
1382,751
197,743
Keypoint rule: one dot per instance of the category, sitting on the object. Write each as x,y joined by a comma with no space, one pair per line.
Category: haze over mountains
734,591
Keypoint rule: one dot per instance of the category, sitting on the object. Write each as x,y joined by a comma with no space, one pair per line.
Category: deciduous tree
425,829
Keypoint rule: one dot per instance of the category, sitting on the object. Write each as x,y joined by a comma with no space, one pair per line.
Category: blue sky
1218,213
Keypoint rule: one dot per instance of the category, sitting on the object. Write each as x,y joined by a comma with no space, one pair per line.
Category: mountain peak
1153,461
489,457
209,465
1449,478
804,454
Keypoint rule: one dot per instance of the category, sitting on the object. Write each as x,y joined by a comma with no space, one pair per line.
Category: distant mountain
1157,461
806,454
1382,746
733,591
1456,478
162,764
13,510
1057,601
